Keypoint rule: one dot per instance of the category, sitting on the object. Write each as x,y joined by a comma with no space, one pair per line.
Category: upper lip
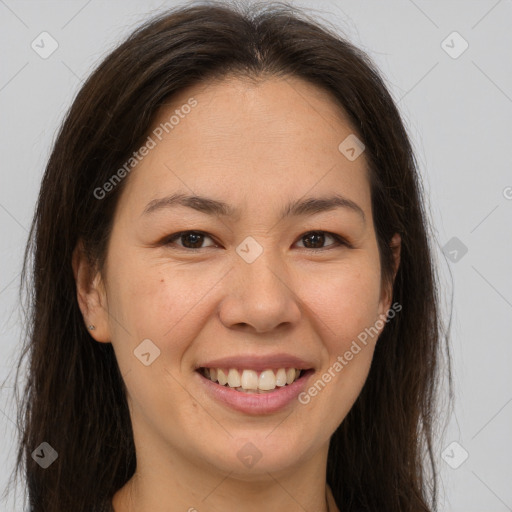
258,363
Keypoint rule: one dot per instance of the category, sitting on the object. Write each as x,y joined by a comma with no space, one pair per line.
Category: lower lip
256,403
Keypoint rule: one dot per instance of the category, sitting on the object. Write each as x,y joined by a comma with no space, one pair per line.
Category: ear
396,245
91,295
387,292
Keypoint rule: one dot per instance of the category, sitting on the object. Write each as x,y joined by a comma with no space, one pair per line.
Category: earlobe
91,295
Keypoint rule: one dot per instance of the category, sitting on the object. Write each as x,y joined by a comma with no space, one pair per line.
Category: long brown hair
381,456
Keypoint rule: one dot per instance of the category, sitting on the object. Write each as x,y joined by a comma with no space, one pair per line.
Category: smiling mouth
251,381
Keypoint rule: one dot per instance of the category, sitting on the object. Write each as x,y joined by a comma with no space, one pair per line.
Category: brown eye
190,239
316,239
313,240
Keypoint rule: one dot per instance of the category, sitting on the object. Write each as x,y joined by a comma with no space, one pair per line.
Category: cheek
167,304
345,300
344,307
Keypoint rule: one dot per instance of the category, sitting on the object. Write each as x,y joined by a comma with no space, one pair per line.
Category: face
266,289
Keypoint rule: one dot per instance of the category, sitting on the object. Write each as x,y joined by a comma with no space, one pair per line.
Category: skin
256,147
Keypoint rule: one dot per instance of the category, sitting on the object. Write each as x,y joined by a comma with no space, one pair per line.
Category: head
320,239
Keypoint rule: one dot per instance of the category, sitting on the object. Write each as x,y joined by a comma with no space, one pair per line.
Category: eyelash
339,240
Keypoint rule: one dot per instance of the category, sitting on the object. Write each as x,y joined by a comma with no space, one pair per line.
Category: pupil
319,236
188,235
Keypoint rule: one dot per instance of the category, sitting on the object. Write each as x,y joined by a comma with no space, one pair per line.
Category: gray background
458,112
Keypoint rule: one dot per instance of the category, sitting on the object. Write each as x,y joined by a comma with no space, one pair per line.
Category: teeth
290,375
233,379
222,377
249,381
281,377
267,380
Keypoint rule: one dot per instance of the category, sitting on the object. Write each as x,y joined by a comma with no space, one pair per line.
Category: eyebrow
214,207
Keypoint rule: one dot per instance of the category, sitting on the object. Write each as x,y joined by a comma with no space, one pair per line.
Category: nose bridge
259,267
260,294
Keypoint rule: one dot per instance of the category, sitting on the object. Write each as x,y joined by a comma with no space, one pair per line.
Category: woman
234,304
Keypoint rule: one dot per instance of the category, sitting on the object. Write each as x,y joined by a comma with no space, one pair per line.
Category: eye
315,240
191,238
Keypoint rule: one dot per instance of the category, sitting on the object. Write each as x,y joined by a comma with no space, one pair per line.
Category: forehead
273,139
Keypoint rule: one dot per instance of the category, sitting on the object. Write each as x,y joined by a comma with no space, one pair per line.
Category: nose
260,296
